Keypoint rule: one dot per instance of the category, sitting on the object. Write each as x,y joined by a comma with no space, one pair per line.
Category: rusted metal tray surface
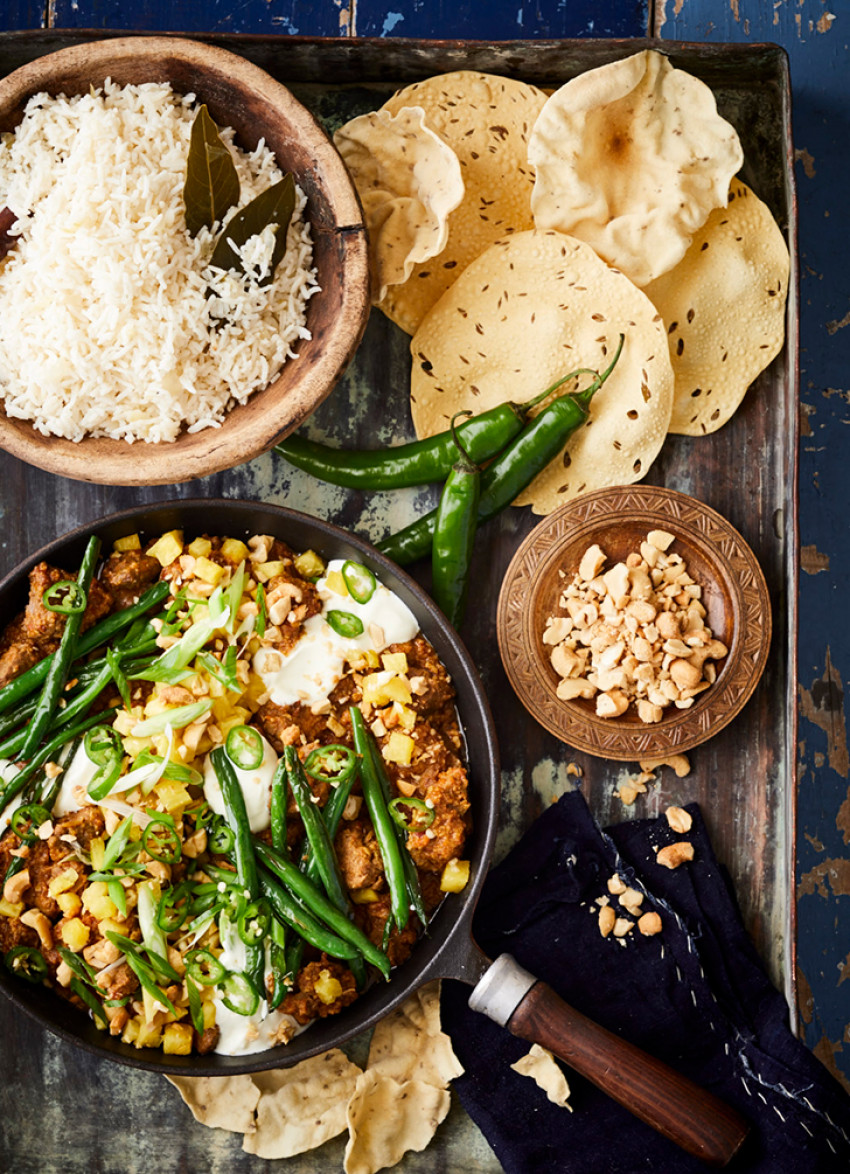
744,778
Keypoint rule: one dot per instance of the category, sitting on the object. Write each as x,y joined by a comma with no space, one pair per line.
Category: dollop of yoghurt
255,784
243,1035
308,674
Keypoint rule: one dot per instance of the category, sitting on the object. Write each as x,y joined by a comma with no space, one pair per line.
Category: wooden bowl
734,594
240,95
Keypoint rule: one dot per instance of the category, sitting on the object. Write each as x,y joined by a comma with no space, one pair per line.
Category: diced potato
69,903
364,896
111,925
309,565
177,1039
399,748
234,550
199,547
406,716
172,794
208,1008
125,722
97,901
75,934
64,881
398,689
327,987
266,571
167,548
12,909
335,582
374,688
97,851
395,662
131,1032
131,542
149,1036
208,572
455,876
361,659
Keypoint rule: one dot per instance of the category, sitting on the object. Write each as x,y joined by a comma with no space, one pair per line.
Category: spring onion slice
177,718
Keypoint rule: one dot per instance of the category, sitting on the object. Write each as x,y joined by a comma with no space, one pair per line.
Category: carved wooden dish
243,96
734,594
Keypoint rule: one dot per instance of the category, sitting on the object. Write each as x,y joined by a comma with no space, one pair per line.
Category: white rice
106,327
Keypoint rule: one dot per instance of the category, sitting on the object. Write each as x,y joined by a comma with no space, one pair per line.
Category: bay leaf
212,185
273,206
7,240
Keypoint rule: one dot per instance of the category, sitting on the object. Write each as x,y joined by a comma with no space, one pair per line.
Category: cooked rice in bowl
112,322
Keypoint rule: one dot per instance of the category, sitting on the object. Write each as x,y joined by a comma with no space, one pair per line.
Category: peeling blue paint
390,21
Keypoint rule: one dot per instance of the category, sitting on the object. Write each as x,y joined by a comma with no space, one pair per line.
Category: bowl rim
443,952
270,413
646,507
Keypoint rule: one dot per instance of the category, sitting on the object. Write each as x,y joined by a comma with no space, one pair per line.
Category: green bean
293,913
98,634
277,957
94,679
373,794
48,795
278,807
16,783
243,850
320,906
332,815
323,854
11,721
58,673
411,876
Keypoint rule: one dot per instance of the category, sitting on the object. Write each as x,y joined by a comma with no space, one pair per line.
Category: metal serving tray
744,778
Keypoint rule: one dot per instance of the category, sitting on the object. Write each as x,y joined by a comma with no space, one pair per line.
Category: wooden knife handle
671,1103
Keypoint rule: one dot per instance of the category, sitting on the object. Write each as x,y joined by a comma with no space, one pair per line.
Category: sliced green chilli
360,581
331,764
27,818
66,597
239,994
204,968
345,624
244,747
26,962
161,841
253,922
412,814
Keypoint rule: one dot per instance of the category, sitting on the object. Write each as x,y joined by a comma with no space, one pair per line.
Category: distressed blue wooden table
129,1130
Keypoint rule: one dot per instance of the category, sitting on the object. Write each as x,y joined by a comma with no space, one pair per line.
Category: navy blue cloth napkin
695,995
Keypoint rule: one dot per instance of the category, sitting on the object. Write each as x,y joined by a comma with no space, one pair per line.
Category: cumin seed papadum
534,307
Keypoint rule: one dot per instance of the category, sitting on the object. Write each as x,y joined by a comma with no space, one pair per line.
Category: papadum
487,121
534,307
724,310
408,181
631,158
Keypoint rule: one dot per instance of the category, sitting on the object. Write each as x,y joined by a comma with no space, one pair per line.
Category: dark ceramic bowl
447,949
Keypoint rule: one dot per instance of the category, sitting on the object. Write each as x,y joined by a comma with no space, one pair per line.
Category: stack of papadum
391,1107
516,236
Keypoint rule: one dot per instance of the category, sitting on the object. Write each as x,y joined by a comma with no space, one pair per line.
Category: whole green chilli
512,471
421,461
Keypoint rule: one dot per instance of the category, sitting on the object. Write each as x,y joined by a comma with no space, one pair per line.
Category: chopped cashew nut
633,634
649,924
679,819
675,854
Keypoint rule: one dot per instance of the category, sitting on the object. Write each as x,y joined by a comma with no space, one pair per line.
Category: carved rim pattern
729,570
